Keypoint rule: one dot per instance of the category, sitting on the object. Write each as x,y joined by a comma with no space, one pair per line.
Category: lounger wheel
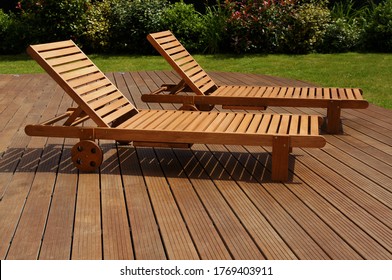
204,107
87,155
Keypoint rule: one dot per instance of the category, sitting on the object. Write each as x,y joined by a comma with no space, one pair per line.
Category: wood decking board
38,201
380,155
264,235
57,241
207,202
27,244
204,234
234,163
137,88
177,240
16,189
236,237
87,233
366,197
13,201
14,116
380,160
362,218
146,237
117,243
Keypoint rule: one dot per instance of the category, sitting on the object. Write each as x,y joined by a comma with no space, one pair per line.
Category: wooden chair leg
77,113
177,88
280,158
333,118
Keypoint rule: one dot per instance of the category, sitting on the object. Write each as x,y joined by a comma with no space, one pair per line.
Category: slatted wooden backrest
182,62
95,94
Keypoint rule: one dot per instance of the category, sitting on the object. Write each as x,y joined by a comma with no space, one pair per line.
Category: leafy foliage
12,36
215,31
240,26
379,30
306,28
342,36
256,26
184,21
51,20
96,36
132,21
277,26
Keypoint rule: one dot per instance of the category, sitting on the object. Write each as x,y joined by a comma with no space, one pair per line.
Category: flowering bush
241,26
276,25
258,26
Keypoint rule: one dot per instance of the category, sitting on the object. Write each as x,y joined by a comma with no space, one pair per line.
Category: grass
371,72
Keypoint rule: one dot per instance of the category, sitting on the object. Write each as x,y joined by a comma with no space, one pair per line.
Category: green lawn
371,72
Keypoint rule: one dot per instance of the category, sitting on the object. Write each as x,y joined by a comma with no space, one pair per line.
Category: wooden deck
209,202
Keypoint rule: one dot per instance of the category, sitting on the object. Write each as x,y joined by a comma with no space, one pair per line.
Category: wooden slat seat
207,92
117,119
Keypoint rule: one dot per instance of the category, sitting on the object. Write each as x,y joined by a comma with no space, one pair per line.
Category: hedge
274,26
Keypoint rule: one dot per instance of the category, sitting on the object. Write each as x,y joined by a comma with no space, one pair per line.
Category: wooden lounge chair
207,93
115,118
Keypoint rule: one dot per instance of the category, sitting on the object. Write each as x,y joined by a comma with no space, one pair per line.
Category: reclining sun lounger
115,118
207,93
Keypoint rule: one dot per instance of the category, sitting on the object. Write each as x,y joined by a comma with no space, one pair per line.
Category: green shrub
12,38
96,37
342,36
132,21
379,29
307,25
5,23
52,20
257,26
277,26
214,33
346,30
186,23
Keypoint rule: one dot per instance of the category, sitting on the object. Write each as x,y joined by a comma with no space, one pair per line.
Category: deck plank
87,240
146,236
204,234
244,170
28,235
57,239
13,202
264,235
207,202
177,240
117,243
330,242
237,239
